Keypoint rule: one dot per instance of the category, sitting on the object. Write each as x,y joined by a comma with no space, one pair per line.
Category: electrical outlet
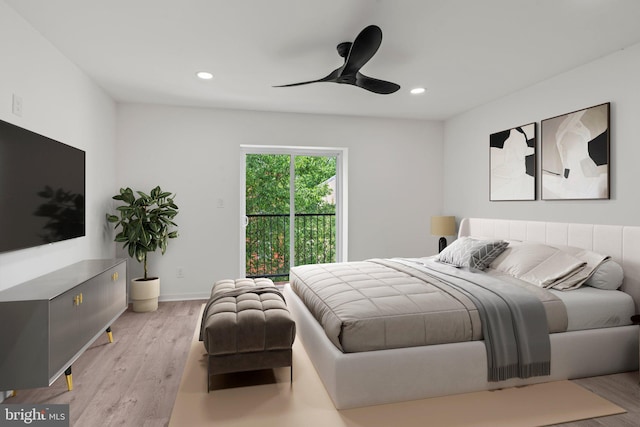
220,203
17,105
180,273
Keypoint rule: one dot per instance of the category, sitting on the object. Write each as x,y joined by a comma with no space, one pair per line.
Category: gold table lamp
443,226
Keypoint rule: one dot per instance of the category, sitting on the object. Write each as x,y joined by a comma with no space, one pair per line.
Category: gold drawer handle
77,300
114,276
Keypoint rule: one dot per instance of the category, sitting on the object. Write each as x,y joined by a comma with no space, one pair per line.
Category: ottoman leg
208,374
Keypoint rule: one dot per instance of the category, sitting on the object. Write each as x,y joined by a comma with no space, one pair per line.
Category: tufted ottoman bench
246,326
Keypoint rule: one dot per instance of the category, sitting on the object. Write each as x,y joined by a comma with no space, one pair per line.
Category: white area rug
267,398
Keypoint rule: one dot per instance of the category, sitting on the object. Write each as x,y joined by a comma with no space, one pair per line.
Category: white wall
614,79
60,102
395,181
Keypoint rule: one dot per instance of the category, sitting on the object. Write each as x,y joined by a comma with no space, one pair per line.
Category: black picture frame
575,155
512,164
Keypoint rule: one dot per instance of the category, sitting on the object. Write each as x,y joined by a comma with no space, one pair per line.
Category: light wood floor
134,381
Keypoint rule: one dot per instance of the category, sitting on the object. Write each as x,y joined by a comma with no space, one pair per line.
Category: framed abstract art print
575,155
513,164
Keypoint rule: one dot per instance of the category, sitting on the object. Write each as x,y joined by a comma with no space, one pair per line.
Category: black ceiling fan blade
299,84
332,77
382,87
363,48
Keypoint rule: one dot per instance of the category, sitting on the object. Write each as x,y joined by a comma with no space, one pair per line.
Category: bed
591,342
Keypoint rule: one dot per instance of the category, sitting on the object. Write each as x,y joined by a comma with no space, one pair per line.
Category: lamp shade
443,225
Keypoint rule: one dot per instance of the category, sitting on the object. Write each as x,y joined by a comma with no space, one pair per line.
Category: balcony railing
267,243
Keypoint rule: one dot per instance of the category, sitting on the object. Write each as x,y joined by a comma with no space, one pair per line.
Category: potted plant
145,223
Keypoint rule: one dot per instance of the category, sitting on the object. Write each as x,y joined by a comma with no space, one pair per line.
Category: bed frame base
387,376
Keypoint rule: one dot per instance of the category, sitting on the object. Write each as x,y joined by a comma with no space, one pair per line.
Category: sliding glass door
292,206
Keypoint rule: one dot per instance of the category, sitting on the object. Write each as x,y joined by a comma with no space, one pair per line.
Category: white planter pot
144,294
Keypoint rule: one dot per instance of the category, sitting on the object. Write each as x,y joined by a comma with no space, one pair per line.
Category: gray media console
48,322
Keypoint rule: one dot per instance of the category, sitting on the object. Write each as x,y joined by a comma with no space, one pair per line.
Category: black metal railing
267,243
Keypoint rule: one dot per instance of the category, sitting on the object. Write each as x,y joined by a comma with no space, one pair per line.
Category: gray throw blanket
235,293
514,322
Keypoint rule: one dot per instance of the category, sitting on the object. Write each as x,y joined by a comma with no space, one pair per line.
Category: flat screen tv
42,189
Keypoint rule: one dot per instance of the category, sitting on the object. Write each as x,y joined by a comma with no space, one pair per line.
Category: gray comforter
381,304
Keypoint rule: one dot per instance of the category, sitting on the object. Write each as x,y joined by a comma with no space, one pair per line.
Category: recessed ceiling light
204,75
417,90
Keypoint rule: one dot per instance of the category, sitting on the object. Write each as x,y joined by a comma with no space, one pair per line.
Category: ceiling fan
355,55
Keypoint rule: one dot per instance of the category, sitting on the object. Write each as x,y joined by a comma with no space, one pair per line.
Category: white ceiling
464,52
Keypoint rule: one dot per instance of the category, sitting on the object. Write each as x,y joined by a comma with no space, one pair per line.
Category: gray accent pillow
472,253
608,275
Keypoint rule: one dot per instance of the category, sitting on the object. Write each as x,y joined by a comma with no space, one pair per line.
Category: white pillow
542,265
608,275
522,257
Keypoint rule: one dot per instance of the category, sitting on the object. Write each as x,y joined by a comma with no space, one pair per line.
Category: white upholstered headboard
620,242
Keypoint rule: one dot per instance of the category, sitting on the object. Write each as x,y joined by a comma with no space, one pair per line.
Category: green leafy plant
145,222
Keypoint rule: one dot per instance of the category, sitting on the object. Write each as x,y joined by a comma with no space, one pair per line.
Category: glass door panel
267,196
315,210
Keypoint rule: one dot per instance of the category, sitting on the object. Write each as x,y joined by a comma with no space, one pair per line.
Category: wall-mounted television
42,189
